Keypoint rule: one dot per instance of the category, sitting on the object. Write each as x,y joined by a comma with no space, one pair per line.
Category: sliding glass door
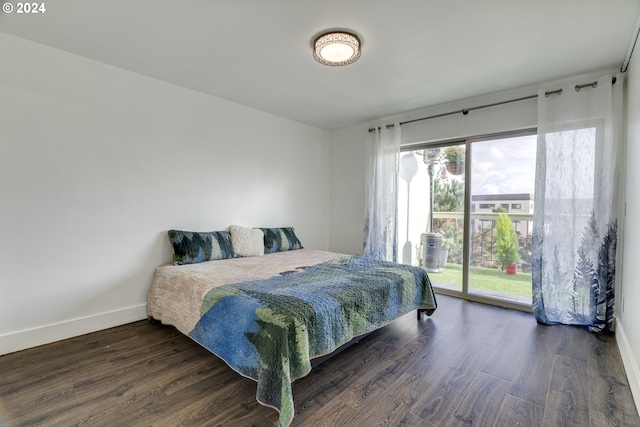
465,215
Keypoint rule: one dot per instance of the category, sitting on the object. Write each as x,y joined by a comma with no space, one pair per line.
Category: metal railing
483,235
483,215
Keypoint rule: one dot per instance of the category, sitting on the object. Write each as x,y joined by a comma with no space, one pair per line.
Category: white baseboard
630,363
20,340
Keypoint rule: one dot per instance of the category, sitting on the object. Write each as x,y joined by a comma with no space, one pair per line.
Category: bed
268,316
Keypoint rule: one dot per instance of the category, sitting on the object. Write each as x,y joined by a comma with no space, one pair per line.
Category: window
458,249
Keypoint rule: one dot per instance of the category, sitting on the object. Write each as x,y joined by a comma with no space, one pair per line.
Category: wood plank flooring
468,364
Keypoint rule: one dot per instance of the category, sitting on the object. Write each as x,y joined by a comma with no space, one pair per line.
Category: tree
507,245
448,195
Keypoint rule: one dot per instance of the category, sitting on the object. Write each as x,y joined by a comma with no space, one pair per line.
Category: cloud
504,166
491,189
496,152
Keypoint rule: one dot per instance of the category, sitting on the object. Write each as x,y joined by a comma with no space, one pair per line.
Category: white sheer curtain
383,150
577,197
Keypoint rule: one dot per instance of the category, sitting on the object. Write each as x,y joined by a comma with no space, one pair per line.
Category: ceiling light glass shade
336,48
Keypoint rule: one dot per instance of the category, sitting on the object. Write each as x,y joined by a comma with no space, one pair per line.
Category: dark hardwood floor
469,364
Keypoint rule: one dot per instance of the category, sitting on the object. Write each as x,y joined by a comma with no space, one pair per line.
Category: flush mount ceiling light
336,48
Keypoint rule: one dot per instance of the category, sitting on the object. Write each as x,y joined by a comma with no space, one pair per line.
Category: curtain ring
593,85
559,92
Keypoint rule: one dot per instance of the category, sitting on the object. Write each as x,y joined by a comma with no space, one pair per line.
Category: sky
499,166
503,166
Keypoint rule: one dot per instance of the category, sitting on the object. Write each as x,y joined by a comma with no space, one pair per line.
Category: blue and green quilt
269,330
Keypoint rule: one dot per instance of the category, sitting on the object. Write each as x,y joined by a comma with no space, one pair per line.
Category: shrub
507,245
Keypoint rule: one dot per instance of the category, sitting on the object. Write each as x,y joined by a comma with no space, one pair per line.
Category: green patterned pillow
191,247
280,239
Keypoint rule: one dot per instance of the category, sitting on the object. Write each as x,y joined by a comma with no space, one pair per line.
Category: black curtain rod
465,111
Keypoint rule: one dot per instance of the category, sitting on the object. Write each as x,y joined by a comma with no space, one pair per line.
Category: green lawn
487,279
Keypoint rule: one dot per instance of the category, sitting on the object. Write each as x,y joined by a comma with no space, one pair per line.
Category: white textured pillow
247,241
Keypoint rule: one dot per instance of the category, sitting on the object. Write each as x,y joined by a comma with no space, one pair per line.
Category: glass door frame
466,249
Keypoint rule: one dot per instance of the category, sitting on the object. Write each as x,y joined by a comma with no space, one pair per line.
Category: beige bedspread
177,291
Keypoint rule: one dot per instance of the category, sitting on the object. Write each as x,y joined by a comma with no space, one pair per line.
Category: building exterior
518,206
512,203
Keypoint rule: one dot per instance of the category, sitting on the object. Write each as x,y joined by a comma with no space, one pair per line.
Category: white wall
347,190
97,163
628,331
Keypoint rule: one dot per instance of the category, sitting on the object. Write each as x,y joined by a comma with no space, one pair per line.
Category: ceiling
416,53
